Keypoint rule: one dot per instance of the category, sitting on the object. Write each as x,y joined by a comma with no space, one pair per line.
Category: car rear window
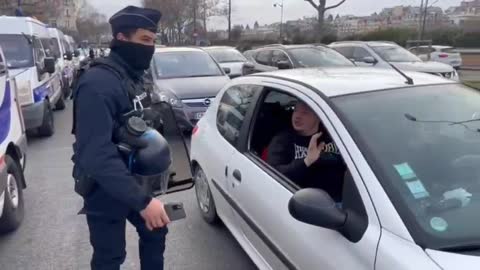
448,50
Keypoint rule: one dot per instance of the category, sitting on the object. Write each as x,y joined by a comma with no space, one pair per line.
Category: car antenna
409,80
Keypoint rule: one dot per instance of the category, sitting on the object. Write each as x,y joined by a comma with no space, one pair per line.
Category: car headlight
163,96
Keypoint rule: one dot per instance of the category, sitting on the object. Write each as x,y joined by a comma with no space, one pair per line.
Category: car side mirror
68,56
284,65
316,207
76,53
369,60
49,64
248,68
227,70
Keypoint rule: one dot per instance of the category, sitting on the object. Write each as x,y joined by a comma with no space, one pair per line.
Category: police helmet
154,159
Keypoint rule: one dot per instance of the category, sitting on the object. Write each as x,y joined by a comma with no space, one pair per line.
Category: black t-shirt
287,152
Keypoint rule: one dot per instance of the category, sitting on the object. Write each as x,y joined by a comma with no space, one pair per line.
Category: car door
260,197
263,61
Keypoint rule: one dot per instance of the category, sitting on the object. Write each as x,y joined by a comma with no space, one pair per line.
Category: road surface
53,237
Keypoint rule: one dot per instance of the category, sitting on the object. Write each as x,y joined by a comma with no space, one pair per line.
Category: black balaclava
137,56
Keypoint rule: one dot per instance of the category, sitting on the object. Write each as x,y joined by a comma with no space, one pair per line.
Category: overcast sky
249,11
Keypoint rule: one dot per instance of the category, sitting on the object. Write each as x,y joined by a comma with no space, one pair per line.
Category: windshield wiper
205,75
461,248
451,123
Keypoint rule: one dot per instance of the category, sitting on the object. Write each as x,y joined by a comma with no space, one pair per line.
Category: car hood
235,67
430,67
198,87
455,261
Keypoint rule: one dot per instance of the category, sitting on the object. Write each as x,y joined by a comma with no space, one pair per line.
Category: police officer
100,100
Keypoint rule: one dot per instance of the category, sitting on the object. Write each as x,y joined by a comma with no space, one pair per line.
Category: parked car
442,54
275,57
381,54
13,148
26,43
411,154
229,58
64,56
187,78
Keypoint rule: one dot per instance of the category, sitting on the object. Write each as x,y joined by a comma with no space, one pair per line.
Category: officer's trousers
107,237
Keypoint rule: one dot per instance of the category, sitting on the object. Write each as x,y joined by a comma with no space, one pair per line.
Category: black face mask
137,56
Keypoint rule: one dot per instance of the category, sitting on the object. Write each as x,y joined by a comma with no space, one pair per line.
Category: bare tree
92,25
321,7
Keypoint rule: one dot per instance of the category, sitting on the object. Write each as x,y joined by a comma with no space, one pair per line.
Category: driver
307,155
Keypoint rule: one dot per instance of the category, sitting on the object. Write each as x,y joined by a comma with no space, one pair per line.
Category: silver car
381,54
187,78
229,58
411,194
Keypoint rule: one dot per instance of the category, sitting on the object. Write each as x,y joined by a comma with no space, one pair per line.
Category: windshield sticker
405,171
417,189
438,224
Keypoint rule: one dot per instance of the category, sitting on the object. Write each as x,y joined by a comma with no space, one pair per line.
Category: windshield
185,64
393,53
227,55
319,57
18,52
430,170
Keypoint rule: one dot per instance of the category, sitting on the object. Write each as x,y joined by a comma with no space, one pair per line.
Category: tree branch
335,6
313,4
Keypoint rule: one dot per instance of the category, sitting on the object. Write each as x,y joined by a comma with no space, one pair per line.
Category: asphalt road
53,237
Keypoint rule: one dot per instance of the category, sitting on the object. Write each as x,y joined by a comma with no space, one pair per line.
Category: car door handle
237,175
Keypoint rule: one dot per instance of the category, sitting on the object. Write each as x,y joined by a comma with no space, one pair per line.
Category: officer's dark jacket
100,101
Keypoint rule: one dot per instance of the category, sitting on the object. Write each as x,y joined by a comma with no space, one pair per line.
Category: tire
14,208
206,205
47,129
60,105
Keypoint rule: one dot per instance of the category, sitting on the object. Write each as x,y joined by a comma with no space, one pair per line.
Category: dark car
188,79
274,57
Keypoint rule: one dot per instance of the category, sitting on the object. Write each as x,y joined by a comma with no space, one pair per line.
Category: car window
279,56
227,55
264,57
319,57
278,140
345,51
184,64
395,53
423,143
18,51
232,109
414,50
360,53
38,51
3,67
55,48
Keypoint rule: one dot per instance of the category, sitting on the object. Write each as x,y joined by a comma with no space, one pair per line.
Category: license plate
199,115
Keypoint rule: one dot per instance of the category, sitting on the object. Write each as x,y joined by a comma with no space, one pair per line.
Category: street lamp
281,18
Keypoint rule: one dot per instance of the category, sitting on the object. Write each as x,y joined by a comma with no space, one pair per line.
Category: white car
442,54
411,194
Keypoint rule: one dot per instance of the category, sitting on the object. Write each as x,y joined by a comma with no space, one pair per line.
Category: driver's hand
314,150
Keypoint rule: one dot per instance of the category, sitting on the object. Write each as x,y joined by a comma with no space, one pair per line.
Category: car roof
352,80
372,43
177,49
217,48
280,46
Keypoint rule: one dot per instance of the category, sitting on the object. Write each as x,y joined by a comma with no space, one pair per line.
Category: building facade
56,13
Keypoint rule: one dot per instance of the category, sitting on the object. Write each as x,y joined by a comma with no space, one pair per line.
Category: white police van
63,53
27,47
13,145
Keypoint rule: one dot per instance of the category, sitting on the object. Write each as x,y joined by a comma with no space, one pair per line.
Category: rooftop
342,81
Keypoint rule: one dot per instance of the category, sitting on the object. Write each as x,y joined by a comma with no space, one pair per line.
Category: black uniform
101,98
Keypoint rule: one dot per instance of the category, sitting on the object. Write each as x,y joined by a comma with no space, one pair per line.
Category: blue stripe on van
41,92
5,113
